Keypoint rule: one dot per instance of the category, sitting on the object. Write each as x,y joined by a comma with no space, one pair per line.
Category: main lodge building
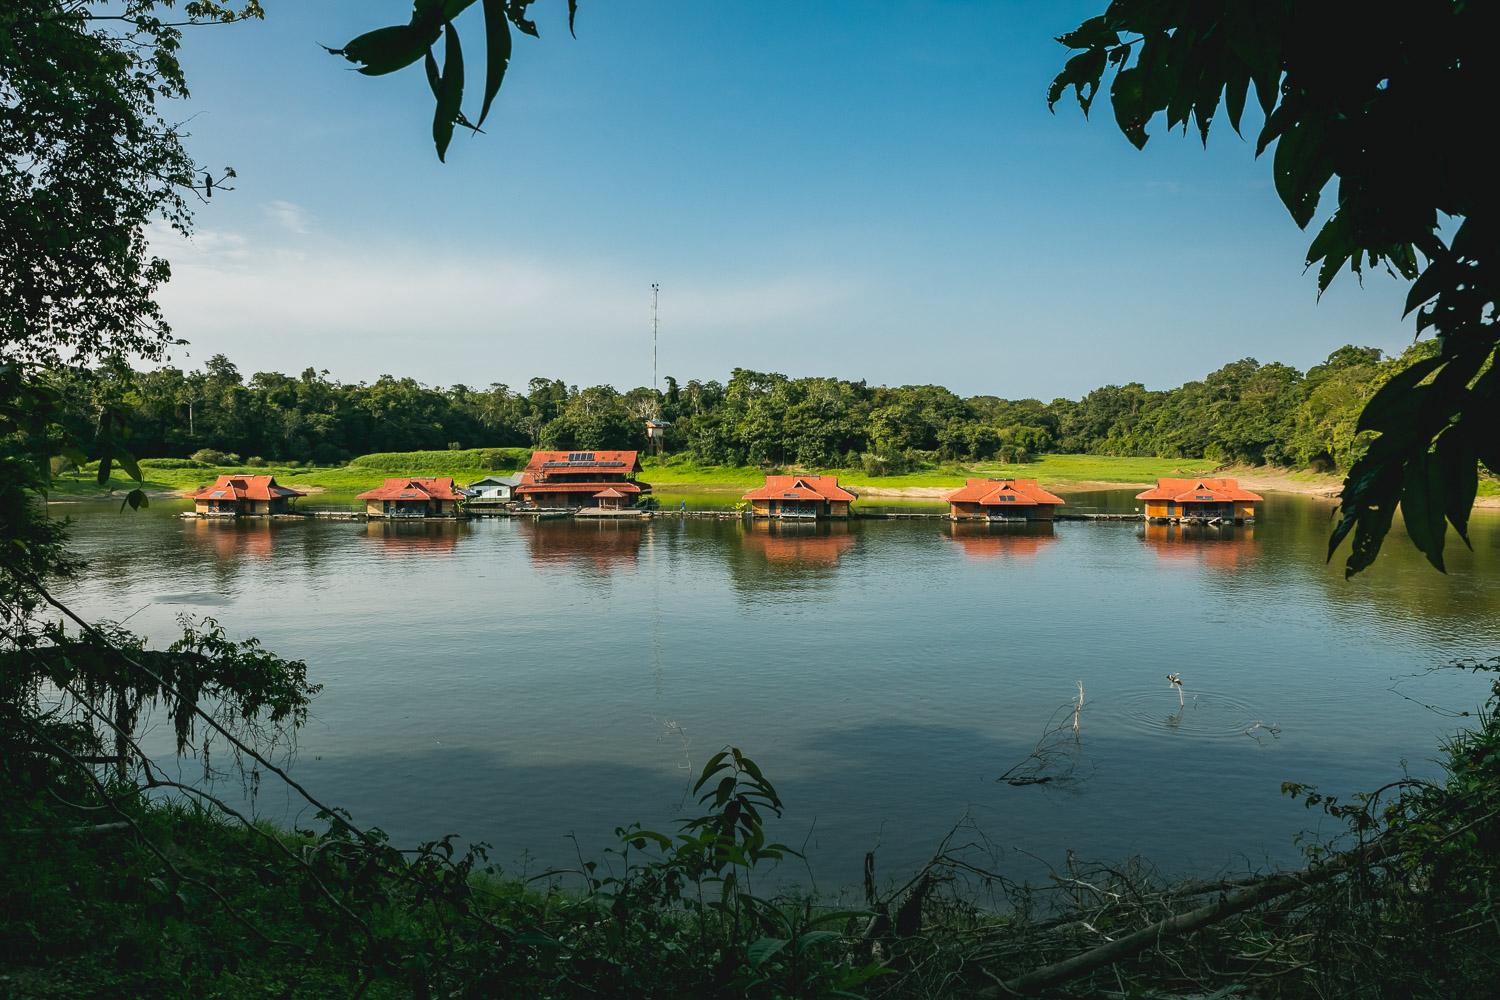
571,479
1002,499
1201,499
230,496
414,497
800,496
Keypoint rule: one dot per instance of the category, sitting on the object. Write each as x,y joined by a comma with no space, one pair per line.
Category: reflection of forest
1222,547
983,540
601,543
427,537
794,543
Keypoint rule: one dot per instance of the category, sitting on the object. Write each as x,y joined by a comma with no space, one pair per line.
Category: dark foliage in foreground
114,894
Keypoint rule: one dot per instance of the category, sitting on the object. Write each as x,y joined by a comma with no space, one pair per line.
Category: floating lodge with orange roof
1002,500
802,497
239,496
413,497
577,479
1200,500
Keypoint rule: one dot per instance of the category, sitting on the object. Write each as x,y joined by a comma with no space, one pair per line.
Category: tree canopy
1380,110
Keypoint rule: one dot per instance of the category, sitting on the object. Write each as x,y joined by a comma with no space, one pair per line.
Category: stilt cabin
420,497
573,479
1200,500
1002,500
240,496
810,497
492,490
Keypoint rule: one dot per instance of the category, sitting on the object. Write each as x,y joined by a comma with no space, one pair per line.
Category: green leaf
1371,527
715,763
497,52
128,463
105,464
1093,33
1081,72
1235,89
1422,507
1458,466
1128,97
450,92
811,939
1302,168
386,50
761,950
1387,409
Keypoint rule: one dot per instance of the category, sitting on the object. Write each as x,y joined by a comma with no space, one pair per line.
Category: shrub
212,456
171,463
255,462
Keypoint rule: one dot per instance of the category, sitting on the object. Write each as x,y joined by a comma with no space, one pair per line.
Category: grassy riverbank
676,474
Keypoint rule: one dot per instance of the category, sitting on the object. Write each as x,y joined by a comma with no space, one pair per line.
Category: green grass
674,473
1055,469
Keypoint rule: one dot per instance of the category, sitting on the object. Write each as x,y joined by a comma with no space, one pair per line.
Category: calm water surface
517,682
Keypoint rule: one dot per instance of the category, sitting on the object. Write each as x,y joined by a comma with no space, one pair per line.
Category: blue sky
861,189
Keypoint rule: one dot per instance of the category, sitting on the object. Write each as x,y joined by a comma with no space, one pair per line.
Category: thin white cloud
362,310
289,216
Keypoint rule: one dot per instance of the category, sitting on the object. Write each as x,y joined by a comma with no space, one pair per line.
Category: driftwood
33,831
1227,905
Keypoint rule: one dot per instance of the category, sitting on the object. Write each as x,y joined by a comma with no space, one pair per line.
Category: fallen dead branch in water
1056,755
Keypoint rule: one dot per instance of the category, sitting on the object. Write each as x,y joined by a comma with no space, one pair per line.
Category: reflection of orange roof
1224,548
802,544
1006,492
421,536
801,488
231,537
245,488
1198,491
604,542
421,488
992,541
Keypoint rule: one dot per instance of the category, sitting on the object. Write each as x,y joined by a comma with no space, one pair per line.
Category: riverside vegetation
1243,413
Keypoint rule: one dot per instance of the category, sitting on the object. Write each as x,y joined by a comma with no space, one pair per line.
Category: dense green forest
1245,412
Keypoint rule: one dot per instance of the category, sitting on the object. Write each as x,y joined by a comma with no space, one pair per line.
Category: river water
519,682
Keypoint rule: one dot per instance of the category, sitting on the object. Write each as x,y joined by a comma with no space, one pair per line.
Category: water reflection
600,544
230,539
798,544
1224,547
984,540
427,538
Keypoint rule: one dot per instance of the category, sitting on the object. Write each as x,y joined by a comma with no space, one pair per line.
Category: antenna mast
655,291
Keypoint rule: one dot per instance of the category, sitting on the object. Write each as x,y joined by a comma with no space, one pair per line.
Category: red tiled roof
245,488
579,487
421,488
801,488
611,492
1025,493
1198,491
580,462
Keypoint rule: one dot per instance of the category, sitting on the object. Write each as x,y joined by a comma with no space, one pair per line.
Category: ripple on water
1204,715
203,598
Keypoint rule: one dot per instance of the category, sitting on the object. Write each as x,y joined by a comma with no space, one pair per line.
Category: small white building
496,488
